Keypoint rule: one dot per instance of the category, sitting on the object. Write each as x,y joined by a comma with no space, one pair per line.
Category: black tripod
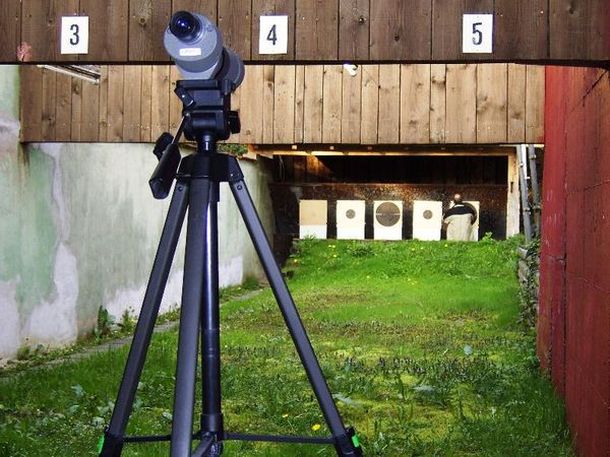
206,119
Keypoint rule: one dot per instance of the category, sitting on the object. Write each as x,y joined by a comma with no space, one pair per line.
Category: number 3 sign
477,33
75,35
273,38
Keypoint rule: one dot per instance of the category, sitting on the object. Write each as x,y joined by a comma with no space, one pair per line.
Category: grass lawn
419,343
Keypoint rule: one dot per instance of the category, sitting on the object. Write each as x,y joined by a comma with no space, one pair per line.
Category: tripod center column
211,418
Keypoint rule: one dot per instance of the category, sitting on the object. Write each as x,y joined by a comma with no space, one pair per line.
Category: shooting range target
387,220
427,219
350,219
313,218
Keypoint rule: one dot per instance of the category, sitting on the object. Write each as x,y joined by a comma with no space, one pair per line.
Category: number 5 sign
477,33
75,35
273,38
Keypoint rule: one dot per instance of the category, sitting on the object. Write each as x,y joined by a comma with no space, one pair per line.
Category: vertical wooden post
513,204
524,189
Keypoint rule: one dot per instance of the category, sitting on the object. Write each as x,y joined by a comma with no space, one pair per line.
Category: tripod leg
344,444
190,315
113,440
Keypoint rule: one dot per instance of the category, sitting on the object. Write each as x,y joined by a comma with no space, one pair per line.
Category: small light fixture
89,73
351,68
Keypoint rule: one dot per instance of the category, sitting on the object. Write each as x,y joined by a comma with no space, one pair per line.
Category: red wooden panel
553,208
574,250
552,300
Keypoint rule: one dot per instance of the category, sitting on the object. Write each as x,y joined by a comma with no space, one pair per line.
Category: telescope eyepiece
184,26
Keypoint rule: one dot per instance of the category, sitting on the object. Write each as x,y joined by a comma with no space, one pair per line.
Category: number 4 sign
75,35
477,33
273,38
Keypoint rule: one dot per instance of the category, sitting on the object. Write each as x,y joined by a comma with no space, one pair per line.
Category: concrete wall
79,230
574,323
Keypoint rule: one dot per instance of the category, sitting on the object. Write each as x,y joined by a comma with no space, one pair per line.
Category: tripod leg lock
234,171
348,445
213,424
110,445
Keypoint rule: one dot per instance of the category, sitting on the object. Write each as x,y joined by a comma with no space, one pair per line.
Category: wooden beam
320,31
384,151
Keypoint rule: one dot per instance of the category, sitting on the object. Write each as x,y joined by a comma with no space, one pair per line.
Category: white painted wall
79,230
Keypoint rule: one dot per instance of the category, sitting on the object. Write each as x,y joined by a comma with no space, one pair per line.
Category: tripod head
206,119
207,109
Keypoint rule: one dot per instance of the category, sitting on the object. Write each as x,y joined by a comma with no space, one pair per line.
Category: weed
356,249
104,323
528,294
128,322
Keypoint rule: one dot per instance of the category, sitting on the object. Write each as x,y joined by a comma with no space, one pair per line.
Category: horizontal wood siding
312,104
131,31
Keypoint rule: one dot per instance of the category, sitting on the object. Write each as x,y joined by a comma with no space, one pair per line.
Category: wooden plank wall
314,104
131,31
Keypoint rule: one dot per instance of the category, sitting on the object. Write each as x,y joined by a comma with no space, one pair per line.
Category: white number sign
273,37
75,35
477,33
